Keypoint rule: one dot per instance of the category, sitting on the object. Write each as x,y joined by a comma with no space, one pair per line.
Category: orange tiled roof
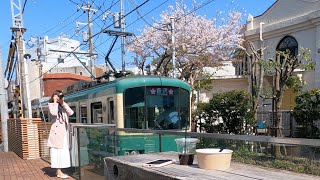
65,76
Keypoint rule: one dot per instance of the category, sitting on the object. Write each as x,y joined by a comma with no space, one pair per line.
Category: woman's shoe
64,176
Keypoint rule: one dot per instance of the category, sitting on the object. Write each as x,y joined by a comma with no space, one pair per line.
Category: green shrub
306,113
227,112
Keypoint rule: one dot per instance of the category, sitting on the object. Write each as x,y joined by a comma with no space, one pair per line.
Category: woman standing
58,140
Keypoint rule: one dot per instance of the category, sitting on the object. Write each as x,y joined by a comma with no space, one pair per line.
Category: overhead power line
90,37
194,10
142,17
134,22
57,25
24,5
74,2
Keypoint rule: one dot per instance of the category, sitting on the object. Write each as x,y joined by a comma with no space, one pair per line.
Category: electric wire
142,17
194,10
84,27
104,22
88,38
54,27
66,25
137,7
74,2
24,6
134,22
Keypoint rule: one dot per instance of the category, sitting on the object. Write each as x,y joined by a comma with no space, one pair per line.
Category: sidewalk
13,167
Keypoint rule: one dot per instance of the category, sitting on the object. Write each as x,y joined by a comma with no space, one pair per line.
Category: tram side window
83,114
111,111
134,116
96,112
72,118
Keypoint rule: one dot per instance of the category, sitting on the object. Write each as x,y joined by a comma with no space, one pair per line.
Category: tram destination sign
161,91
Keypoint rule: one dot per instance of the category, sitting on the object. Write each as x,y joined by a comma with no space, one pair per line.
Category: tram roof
137,81
121,84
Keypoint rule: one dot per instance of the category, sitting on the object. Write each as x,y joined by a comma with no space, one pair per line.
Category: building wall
286,10
34,75
34,79
49,61
296,18
62,43
52,82
224,84
299,19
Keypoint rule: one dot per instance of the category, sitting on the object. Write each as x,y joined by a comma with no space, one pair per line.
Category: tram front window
134,108
157,108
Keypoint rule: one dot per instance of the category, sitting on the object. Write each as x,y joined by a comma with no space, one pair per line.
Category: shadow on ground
49,171
52,172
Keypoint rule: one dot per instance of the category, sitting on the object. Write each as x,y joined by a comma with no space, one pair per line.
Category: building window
60,60
288,43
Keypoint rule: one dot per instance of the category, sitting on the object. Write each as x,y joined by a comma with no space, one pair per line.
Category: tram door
110,111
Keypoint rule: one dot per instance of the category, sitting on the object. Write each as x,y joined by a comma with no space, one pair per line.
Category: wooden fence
24,137
44,129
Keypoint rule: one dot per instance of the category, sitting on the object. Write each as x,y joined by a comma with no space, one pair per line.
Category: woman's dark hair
60,109
56,92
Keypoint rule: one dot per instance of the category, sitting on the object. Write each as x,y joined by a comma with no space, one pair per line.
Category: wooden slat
24,137
44,129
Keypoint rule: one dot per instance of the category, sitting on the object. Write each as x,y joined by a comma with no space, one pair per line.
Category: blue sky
56,17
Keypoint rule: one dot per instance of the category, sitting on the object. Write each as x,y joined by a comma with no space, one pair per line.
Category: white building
46,52
45,59
289,24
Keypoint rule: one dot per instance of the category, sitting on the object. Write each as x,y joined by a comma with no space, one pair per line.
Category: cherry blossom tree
199,42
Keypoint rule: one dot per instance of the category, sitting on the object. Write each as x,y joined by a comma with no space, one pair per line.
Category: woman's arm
53,109
66,107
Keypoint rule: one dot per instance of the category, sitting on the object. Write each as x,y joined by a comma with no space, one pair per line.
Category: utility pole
22,76
4,107
173,48
123,38
88,9
40,69
38,60
28,111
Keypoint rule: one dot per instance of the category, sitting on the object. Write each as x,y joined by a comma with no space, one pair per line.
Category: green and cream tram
132,102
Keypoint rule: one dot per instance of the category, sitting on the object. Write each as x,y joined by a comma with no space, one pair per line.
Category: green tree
306,112
283,65
228,112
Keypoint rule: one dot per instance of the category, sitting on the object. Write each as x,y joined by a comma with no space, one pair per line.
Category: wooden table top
131,166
